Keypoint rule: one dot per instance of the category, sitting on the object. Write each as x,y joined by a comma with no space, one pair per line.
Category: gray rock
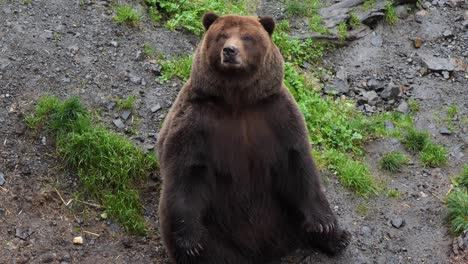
337,86
66,80
398,222
465,24
156,108
2,212
402,11
2,178
371,97
114,44
436,64
373,84
365,231
149,146
125,114
134,79
389,125
111,105
377,41
390,92
118,123
445,131
23,234
446,74
403,107
447,34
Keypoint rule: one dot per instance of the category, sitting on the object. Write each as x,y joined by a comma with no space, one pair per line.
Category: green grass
415,140
316,25
457,203
368,5
179,67
354,20
126,14
462,179
393,193
342,30
452,111
127,103
27,2
390,13
108,165
393,161
414,106
302,8
433,155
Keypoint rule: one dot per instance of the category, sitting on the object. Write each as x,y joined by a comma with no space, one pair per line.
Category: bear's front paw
190,240
320,223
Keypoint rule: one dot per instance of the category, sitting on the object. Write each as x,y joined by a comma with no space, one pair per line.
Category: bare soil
65,48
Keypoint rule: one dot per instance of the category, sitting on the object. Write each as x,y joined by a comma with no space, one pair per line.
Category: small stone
445,131
66,80
446,74
376,41
337,86
306,65
156,108
436,64
111,105
23,234
135,79
44,141
78,240
373,84
2,212
125,114
447,34
139,56
403,107
149,146
365,231
118,123
114,43
398,222
391,91
420,15
371,97
423,195
48,257
2,178
402,11
389,125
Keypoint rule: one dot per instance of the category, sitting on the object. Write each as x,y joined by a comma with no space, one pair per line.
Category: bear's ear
208,19
268,23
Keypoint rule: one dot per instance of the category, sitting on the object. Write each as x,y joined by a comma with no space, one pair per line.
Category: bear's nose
230,51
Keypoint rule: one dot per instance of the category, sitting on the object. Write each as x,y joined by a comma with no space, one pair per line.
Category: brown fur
239,182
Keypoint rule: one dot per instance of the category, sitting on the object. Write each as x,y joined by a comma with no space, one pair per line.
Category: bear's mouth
230,61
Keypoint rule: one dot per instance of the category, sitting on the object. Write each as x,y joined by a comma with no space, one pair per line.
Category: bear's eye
222,36
246,38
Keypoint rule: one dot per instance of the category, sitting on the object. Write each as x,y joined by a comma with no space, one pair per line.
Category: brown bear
239,182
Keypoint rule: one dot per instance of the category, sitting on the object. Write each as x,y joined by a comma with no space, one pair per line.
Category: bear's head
237,59
237,43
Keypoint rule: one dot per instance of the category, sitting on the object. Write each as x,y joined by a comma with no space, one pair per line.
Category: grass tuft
127,14
393,193
462,179
354,21
390,13
452,111
179,67
342,31
393,161
457,203
368,5
302,8
316,25
415,140
108,165
433,155
127,103
414,106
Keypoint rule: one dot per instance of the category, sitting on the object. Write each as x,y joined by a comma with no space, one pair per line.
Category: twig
90,204
435,195
91,233
61,198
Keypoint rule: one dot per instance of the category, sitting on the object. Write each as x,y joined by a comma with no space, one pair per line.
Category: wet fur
239,182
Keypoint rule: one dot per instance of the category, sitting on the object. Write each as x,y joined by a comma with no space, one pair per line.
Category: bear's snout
230,51
230,55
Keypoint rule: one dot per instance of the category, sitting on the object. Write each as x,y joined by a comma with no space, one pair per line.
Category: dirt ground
67,48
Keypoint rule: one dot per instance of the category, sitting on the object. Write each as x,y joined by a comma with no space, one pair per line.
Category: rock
376,41
418,42
66,80
446,74
465,24
2,178
369,108
390,92
118,123
371,97
402,11
23,234
436,64
139,56
337,86
447,33
2,212
78,240
149,146
114,44
134,79
44,141
365,231
47,257
156,108
445,131
403,107
373,84
125,114
420,15
389,125
398,222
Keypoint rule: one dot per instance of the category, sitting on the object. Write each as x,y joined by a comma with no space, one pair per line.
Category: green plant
368,5
302,7
108,165
127,103
414,106
316,25
127,14
354,20
27,2
177,67
452,111
457,203
433,155
148,49
462,179
393,161
342,29
415,140
393,193
390,13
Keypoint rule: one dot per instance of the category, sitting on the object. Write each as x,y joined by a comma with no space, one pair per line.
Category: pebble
398,222
2,212
2,178
111,105
149,146
114,43
403,107
447,33
446,74
445,131
125,114
365,231
156,108
78,240
118,123
376,41
371,97
389,125
391,91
